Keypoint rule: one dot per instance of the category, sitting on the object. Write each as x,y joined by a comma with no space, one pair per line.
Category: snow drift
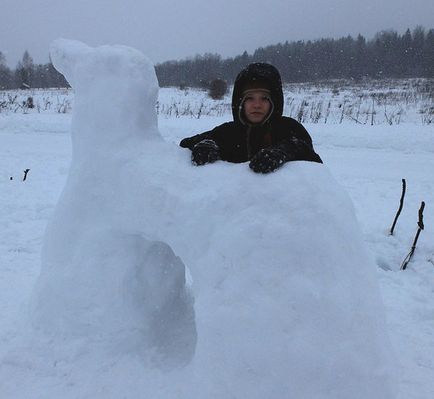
286,303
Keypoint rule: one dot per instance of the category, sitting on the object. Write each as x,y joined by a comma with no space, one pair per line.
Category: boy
259,133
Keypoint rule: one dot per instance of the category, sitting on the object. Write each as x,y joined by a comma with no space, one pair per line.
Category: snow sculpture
100,275
286,299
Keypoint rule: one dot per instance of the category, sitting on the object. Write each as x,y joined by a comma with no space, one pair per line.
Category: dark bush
217,89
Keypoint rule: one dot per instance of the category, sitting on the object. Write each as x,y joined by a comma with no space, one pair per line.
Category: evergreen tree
428,60
5,74
418,51
407,52
24,72
359,62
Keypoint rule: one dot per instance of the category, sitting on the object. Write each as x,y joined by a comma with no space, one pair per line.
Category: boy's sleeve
214,134
298,149
298,144
190,142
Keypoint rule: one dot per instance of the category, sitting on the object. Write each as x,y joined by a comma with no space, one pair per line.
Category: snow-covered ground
369,161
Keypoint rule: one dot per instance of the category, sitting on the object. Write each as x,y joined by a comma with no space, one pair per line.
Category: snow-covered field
367,152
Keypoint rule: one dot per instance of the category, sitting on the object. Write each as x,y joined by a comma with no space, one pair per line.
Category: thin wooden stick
413,248
25,174
401,204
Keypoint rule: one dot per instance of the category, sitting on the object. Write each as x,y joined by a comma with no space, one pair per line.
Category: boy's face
256,106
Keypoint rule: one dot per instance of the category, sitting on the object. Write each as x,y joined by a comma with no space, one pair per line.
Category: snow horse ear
65,54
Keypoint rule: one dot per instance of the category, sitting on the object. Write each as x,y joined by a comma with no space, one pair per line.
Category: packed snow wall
286,302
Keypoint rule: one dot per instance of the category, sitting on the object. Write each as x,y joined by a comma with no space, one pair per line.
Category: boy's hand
206,151
268,160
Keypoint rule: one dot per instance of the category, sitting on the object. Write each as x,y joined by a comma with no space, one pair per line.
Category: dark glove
268,160
206,151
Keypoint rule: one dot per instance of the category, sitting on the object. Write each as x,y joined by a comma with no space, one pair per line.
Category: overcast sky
166,30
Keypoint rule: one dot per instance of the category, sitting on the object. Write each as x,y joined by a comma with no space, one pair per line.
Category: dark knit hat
256,84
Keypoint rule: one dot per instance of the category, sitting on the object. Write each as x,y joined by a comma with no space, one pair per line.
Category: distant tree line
27,74
387,55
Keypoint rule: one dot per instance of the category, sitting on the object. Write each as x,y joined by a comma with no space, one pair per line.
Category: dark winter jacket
239,142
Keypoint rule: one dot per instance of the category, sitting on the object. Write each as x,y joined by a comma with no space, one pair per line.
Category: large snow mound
283,301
